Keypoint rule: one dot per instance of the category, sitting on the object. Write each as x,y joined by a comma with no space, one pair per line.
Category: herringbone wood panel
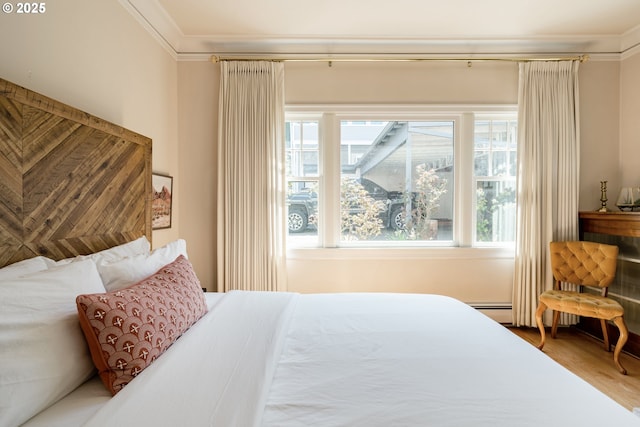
71,183
11,172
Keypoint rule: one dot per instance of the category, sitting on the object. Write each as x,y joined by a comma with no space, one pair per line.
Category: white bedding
281,359
81,404
421,360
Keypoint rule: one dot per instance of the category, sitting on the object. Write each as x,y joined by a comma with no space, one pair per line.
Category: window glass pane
396,180
513,158
302,213
499,163
495,175
301,145
499,134
310,162
289,134
302,161
481,162
495,211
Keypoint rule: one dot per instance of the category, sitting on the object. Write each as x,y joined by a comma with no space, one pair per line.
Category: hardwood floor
585,356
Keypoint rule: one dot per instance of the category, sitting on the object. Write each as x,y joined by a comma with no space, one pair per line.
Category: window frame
329,118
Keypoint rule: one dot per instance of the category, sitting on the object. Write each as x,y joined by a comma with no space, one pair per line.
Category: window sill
404,253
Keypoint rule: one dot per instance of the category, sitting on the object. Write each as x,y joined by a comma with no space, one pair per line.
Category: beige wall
402,82
94,56
599,132
630,121
197,121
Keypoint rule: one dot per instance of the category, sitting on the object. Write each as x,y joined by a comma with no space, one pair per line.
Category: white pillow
43,353
20,268
130,270
135,247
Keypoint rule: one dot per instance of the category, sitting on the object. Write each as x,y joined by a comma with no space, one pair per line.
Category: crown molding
631,52
154,18
631,42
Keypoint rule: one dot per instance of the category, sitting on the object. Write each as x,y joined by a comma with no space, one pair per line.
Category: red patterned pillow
129,328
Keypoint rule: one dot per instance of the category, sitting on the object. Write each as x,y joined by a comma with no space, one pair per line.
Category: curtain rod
393,58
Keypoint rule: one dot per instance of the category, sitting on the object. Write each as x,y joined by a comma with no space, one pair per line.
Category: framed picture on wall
161,205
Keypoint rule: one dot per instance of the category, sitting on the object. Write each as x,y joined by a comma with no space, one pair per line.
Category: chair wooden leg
605,335
539,312
554,326
624,334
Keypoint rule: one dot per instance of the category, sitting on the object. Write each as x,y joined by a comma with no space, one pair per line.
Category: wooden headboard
70,183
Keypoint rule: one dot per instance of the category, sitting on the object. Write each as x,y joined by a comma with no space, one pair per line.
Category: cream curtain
548,177
251,229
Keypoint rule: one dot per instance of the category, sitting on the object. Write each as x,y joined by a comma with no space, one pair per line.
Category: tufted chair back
584,263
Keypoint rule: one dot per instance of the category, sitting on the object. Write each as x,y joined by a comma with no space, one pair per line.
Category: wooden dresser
623,230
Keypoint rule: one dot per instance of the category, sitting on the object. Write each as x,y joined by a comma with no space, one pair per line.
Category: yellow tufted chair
585,264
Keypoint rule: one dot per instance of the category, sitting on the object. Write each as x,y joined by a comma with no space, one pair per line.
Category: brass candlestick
603,197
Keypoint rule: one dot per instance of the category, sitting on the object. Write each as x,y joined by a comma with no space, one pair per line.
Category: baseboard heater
500,312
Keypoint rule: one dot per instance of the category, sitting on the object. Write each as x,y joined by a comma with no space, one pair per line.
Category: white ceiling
189,28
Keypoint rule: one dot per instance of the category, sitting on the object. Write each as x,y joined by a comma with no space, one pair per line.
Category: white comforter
280,359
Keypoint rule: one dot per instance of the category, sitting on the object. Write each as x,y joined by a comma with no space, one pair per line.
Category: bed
99,329
284,359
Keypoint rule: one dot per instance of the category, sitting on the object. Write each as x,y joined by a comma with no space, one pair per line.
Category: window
433,178
302,170
495,179
394,180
